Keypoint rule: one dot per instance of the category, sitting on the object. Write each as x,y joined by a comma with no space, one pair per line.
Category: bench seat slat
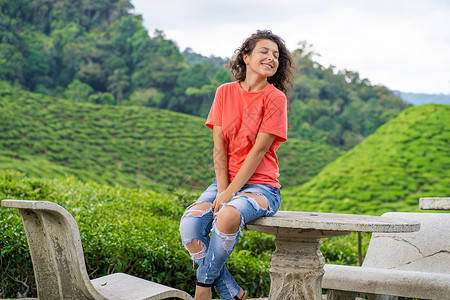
385,281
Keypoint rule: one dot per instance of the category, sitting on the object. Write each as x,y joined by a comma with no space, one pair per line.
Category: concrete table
297,264
437,203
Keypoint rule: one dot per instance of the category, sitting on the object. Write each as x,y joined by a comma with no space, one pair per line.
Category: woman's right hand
223,197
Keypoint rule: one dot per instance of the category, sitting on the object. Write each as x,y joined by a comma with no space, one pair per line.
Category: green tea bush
122,230
343,250
129,230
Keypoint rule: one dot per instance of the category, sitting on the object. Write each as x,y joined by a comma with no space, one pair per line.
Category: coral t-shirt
243,114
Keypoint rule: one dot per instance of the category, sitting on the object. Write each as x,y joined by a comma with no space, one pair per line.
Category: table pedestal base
297,264
296,269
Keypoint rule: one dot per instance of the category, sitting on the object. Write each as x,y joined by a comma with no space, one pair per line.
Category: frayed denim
217,246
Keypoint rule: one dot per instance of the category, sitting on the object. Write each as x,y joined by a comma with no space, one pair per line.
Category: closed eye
275,54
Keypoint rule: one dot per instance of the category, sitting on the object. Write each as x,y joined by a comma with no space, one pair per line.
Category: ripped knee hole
196,249
258,201
199,209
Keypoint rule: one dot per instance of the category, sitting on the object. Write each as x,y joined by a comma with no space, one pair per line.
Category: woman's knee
228,220
191,225
192,221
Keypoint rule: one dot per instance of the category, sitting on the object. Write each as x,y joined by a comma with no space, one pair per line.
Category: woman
249,122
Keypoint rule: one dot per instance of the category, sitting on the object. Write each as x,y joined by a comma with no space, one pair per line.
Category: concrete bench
435,203
58,260
407,265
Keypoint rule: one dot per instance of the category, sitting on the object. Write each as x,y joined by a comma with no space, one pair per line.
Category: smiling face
263,60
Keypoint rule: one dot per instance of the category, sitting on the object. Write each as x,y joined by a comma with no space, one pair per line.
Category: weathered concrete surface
296,268
408,265
297,263
427,250
412,284
127,287
58,259
324,297
336,222
437,203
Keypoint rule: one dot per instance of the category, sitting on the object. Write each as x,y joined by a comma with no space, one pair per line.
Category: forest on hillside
100,52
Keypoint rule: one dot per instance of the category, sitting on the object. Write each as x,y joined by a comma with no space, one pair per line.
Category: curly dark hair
283,77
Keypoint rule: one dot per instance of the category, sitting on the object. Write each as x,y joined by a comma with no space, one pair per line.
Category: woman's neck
254,84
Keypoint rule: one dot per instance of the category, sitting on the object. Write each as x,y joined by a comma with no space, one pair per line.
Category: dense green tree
193,58
222,75
47,45
78,91
118,83
12,63
102,98
145,97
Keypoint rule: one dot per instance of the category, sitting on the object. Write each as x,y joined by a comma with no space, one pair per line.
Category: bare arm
220,159
251,162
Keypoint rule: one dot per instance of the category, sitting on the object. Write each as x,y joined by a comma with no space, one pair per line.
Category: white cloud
402,44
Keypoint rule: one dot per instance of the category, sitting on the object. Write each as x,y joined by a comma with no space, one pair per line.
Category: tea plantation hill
132,146
406,158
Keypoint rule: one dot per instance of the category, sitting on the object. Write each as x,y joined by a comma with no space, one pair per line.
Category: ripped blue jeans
217,247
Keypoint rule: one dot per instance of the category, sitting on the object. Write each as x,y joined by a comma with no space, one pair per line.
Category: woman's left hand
223,197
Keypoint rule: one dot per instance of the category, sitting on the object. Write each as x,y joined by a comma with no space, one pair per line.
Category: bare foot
239,295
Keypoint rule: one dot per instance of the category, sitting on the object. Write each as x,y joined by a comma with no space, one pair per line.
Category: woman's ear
245,58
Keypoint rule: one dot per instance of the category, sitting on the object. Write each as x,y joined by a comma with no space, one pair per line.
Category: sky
402,44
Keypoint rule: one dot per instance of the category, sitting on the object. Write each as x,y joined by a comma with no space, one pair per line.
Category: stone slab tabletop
438,203
336,222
